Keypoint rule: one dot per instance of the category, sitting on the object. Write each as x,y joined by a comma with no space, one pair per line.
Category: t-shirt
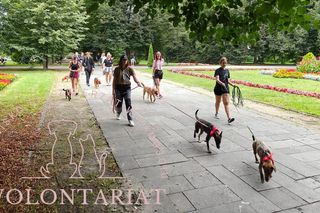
108,63
224,75
122,77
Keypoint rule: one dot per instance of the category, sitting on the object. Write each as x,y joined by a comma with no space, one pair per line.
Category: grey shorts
107,70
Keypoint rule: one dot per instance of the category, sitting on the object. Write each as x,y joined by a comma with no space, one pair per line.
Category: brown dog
151,93
210,129
97,82
65,78
266,161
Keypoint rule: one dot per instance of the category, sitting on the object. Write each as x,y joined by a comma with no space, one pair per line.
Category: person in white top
157,71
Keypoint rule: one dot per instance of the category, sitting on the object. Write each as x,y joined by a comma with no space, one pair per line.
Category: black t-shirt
107,63
224,75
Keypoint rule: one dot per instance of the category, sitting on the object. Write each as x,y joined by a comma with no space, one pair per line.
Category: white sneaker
131,123
216,116
118,116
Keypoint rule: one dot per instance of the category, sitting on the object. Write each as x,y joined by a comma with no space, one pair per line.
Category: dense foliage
37,29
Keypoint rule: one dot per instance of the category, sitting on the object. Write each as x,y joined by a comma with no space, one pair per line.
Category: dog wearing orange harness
210,129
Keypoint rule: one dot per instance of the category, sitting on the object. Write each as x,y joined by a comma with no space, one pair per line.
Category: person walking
157,71
107,68
221,89
121,88
88,65
74,68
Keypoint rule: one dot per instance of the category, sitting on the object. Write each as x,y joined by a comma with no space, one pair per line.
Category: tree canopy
229,20
41,29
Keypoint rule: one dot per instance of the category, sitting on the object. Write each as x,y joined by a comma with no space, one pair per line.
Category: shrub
309,64
150,56
288,73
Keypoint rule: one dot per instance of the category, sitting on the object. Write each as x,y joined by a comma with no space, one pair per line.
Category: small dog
97,82
210,129
65,78
152,93
266,161
67,93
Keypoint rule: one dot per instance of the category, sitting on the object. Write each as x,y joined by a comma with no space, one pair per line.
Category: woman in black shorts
157,71
221,89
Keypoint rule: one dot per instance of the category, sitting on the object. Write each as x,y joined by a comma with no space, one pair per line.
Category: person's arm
92,62
103,64
153,67
220,82
136,79
229,80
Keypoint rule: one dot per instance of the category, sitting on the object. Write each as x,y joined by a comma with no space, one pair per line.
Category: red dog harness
213,130
268,157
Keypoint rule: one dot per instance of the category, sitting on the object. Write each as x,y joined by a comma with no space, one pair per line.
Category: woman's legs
218,101
225,99
75,80
109,76
157,82
73,84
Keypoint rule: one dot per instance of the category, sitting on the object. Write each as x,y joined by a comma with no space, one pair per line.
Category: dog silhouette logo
86,148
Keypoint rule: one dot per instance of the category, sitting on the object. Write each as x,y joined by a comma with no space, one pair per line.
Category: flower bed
6,79
250,84
288,73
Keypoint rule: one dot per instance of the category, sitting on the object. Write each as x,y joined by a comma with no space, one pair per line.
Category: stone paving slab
160,151
211,196
283,198
258,202
181,202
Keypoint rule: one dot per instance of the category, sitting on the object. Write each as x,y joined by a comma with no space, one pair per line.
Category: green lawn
28,92
254,76
298,103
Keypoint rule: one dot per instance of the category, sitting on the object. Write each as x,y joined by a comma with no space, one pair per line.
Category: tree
43,28
232,20
150,56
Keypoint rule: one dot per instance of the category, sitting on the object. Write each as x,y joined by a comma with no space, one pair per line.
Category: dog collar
268,157
213,130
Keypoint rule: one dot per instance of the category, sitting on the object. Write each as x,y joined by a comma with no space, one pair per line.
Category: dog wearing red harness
266,162
210,129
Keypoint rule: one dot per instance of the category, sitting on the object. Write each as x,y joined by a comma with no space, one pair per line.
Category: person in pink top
157,71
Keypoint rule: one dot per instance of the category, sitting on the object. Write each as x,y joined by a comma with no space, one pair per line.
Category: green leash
237,98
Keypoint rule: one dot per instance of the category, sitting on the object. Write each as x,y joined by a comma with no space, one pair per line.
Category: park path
160,152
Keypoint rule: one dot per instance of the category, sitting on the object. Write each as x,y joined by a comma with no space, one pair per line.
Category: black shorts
158,74
219,90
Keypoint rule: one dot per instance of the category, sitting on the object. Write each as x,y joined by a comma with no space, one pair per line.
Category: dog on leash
210,129
266,163
151,93
97,82
65,78
67,93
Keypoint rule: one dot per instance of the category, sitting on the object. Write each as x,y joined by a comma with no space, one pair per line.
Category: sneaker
160,96
88,85
230,120
77,93
118,116
131,123
216,116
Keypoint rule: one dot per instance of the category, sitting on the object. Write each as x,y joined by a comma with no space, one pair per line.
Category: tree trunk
46,62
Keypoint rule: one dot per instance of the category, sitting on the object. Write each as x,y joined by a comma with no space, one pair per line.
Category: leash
236,96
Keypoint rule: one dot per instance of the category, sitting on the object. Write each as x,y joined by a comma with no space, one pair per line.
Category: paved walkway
160,152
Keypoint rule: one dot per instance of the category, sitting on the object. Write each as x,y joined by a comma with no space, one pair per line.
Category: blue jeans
123,93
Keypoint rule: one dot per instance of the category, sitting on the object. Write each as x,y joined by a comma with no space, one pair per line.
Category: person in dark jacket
88,65
121,87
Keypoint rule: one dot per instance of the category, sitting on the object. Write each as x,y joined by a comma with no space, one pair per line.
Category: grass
297,103
28,92
254,76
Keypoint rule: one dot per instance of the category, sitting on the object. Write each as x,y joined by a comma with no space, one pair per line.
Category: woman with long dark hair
121,87
88,65
74,68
